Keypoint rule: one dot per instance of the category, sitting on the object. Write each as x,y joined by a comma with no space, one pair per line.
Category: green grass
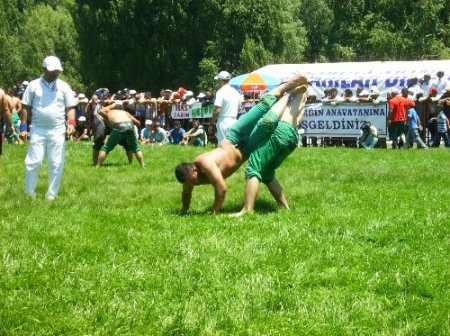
363,251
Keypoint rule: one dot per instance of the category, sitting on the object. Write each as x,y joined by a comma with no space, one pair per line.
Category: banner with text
343,120
194,111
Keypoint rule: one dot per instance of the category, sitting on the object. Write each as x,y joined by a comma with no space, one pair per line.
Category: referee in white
48,99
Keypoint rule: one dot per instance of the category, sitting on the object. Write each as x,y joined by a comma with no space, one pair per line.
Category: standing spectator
5,116
429,106
80,110
177,133
208,99
332,97
16,109
246,104
414,127
48,99
442,127
226,106
91,113
398,105
349,98
426,84
164,106
441,83
444,101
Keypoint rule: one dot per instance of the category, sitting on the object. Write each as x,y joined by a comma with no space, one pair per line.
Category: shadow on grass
261,207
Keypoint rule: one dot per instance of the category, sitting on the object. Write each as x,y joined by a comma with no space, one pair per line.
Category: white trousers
222,127
50,141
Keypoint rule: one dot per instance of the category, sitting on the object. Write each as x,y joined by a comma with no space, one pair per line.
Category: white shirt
441,84
48,102
229,100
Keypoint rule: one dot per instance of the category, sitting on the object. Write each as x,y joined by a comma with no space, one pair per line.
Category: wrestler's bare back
115,116
226,157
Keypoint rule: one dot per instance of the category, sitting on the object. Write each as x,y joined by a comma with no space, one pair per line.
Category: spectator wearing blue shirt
177,133
414,127
442,127
159,134
146,132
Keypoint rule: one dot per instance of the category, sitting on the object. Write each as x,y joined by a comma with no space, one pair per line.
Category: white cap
81,96
363,93
201,95
26,83
82,118
52,63
132,92
223,75
188,94
148,122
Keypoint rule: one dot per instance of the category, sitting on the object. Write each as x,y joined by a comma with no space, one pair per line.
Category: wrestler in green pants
251,129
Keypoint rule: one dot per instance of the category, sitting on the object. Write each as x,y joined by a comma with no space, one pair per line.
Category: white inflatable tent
384,75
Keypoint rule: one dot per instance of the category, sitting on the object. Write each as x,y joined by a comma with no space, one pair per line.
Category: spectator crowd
418,113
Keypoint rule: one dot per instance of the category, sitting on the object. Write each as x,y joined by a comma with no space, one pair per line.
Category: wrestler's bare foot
240,213
295,108
299,90
292,83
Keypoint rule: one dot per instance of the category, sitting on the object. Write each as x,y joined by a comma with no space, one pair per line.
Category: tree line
149,44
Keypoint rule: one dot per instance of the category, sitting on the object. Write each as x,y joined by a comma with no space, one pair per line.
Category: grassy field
363,251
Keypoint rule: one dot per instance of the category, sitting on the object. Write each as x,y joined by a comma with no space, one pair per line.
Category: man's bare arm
7,112
214,176
134,120
186,196
216,113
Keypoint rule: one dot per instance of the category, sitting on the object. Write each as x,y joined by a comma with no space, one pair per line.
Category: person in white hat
226,106
49,100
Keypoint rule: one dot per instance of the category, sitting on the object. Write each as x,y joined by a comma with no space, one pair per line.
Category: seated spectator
81,130
80,109
158,135
369,136
146,132
177,133
196,136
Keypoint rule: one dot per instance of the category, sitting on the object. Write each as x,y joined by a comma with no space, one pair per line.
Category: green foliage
253,56
363,251
149,44
207,70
